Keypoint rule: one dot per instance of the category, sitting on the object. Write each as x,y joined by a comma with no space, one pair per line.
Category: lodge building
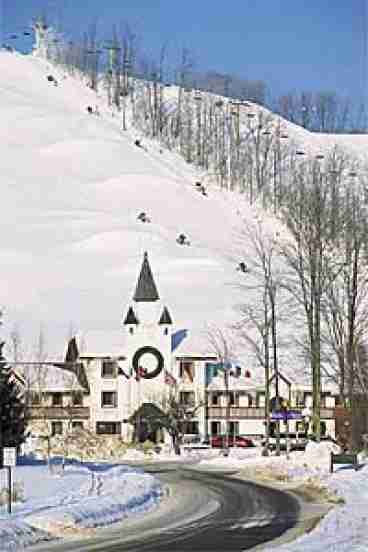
105,393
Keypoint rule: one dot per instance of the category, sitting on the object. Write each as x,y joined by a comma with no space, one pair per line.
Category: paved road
206,511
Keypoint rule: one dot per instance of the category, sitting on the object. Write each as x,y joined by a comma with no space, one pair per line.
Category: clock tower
148,331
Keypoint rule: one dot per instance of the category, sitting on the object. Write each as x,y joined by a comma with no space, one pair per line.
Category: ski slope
72,187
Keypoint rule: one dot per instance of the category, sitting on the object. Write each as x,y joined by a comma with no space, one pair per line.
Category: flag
141,372
169,379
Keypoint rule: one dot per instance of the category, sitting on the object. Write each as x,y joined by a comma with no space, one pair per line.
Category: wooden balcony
59,413
235,412
254,413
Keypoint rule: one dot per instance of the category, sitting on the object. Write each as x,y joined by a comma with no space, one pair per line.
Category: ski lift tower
40,29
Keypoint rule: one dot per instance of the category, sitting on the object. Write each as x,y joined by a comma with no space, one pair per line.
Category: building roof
131,317
165,317
146,289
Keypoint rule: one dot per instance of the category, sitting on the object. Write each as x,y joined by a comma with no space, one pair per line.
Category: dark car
219,441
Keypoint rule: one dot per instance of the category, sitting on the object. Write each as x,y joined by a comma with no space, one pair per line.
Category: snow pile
300,467
345,528
77,499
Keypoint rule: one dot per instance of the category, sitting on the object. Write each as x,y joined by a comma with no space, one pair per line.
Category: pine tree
13,407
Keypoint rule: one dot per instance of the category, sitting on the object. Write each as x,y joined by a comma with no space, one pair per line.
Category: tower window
109,399
108,369
131,330
166,331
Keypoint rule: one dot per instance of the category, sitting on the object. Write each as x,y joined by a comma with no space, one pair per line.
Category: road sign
9,456
288,415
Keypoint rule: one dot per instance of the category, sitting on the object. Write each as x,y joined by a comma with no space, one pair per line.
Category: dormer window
108,369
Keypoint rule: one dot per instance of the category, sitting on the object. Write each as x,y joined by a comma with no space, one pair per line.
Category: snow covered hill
72,187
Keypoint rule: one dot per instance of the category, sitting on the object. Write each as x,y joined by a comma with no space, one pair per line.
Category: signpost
285,415
9,461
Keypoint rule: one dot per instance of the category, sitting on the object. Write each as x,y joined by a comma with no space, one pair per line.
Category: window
108,428
187,398
189,427
108,369
57,399
56,428
77,425
260,398
215,399
215,428
131,330
35,398
186,371
233,428
77,398
233,398
299,399
109,399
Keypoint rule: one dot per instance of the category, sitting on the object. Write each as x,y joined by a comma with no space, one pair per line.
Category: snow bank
78,499
345,528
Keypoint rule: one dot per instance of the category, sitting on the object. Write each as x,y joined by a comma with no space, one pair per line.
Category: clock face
148,362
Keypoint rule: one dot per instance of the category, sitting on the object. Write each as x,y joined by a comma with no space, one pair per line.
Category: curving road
205,511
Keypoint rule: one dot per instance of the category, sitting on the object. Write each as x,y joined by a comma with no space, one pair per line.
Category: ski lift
299,152
90,110
167,84
251,115
284,136
198,184
320,156
13,37
353,174
219,103
27,33
266,133
198,96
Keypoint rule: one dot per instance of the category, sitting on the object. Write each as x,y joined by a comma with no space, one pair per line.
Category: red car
219,441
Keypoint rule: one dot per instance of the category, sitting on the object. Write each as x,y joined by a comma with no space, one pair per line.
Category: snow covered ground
82,497
345,527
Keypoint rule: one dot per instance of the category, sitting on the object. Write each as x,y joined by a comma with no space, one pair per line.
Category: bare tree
222,345
309,216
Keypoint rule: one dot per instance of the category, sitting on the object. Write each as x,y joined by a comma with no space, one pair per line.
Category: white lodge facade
103,393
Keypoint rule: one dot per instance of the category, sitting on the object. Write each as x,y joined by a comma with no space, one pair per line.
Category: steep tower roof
146,288
131,317
165,317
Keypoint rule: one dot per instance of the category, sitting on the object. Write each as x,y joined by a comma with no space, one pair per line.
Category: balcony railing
253,412
59,412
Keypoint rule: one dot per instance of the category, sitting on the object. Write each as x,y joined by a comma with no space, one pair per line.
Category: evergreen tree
13,407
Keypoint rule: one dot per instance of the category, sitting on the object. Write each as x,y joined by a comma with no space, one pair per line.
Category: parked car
219,441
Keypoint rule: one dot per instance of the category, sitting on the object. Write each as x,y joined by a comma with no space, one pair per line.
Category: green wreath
145,374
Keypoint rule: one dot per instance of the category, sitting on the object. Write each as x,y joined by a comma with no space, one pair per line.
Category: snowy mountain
73,186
